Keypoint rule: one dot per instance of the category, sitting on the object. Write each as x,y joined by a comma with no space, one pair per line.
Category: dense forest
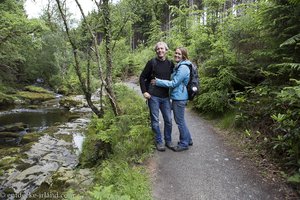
247,53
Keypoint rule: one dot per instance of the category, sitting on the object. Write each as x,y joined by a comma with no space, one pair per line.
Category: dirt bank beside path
209,170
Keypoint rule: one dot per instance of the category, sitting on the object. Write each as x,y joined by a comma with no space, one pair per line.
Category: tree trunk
77,67
108,79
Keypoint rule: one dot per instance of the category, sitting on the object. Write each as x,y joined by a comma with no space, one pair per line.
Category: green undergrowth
116,148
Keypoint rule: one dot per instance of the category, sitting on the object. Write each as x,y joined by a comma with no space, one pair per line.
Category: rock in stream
52,153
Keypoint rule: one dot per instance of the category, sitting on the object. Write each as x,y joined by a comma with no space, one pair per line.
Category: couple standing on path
158,76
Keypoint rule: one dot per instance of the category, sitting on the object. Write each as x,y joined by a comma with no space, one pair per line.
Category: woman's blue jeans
164,105
178,110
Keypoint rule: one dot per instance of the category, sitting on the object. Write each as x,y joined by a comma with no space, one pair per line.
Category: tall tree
85,88
107,33
85,82
16,40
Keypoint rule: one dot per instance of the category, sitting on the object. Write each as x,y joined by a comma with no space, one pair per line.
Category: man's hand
147,95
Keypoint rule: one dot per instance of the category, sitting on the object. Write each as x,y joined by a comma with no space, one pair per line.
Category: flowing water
36,119
60,136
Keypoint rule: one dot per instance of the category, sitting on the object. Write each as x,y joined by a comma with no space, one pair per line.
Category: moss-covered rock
9,135
7,160
16,127
69,102
35,97
6,100
36,89
30,137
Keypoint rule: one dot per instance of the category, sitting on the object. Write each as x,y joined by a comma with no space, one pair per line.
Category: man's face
161,51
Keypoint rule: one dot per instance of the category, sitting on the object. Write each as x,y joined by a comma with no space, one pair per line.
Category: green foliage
181,24
17,40
126,180
228,120
155,33
124,63
123,141
291,41
254,108
216,84
47,59
140,57
294,179
287,124
106,193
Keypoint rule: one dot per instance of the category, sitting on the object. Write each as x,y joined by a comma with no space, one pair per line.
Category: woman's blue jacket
179,80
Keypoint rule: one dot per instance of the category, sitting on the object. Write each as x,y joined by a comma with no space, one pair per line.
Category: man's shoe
179,148
160,147
170,145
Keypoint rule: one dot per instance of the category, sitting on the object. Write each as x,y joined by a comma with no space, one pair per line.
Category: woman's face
178,55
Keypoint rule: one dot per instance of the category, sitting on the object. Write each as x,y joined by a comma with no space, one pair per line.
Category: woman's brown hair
183,52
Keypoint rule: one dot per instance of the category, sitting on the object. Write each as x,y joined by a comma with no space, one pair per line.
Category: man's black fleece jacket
162,70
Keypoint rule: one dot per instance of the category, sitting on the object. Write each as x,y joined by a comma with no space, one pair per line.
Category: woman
179,95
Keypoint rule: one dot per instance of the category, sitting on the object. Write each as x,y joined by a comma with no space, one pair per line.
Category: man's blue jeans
164,105
178,110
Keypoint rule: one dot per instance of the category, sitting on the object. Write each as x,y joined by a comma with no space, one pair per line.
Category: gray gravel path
209,170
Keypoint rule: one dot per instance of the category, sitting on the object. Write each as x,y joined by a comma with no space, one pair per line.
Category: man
158,97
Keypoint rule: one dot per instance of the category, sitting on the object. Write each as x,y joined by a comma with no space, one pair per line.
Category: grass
227,121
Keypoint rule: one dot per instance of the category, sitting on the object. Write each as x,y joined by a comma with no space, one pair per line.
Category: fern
107,193
291,41
294,66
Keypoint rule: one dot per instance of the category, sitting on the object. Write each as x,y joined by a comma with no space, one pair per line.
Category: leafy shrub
115,145
215,90
286,125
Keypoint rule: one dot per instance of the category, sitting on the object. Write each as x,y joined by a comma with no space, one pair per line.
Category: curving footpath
209,170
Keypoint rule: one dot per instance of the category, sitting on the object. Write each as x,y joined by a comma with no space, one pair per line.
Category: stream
39,144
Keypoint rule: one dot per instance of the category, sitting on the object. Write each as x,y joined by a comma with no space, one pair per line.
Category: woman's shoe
179,148
190,143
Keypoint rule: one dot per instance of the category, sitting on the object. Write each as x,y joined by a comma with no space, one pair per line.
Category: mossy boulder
70,101
36,89
9,135
16,127
6,100
30,138
7,160
35,95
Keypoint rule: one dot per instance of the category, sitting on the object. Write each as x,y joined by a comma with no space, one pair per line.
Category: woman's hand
153,82
147,95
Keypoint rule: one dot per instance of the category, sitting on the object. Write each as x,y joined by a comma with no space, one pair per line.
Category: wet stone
48,160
